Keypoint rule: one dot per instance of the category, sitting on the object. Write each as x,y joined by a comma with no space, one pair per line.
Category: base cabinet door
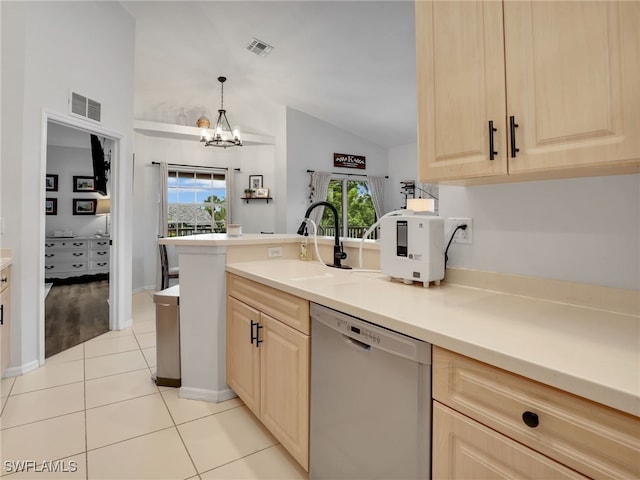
5,319
268,360
243,358
284,386
464,448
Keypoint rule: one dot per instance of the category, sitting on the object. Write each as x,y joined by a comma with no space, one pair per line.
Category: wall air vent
85,107
259,47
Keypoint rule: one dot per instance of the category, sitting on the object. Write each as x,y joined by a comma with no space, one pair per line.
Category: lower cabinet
5,319
464,448
490,423
268,360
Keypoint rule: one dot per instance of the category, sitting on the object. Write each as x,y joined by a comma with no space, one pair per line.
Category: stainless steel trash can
168,337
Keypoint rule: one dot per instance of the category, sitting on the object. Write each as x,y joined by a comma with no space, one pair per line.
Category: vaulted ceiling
349,63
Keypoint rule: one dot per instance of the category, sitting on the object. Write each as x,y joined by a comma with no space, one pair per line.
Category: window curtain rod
193,166
347,174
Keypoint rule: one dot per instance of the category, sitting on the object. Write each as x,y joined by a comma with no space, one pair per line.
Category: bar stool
166,271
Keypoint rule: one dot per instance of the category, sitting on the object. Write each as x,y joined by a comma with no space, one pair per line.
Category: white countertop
592,353
4,262
222,239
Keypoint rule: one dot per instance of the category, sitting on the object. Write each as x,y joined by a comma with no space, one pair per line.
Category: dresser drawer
64,256
65,244
289,309
5,278
595,440
101,243
99,265
99,254
66,267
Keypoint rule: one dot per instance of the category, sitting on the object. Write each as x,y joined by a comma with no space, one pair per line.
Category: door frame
117,298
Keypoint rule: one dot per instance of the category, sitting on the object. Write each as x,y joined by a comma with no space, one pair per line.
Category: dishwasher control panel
371,335
364,334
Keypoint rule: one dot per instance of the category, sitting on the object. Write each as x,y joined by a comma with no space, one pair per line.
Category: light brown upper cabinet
527,90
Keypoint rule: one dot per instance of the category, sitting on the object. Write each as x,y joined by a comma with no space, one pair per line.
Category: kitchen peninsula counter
202,260
589,352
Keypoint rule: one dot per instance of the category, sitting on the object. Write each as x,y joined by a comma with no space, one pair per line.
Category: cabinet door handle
78,254
530,419
258,328
492,153
5,279
512,127
254,337
1,314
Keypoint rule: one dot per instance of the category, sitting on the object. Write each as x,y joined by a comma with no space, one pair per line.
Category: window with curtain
353,201
196,201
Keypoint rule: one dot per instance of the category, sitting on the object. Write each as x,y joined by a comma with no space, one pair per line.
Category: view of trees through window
356,205
196,203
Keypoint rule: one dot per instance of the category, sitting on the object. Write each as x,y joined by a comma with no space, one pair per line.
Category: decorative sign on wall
345,160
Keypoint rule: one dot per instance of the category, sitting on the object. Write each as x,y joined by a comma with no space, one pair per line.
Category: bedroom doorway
77,236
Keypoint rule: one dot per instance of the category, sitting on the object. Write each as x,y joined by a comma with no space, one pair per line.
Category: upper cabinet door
461,87
573,83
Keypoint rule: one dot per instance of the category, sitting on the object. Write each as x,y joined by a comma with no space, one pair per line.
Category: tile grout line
86,434
240,458
175,426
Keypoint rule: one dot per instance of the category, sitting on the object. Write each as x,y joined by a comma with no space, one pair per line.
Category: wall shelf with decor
246,199
183,132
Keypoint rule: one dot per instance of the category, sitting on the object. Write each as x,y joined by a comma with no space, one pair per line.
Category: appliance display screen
402,237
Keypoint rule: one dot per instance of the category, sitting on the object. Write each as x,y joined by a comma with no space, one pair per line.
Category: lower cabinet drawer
463,448
593,439
287,308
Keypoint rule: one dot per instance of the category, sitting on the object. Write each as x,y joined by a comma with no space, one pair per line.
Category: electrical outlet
462,236
275,252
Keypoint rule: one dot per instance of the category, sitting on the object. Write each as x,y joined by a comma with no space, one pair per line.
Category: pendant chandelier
222,134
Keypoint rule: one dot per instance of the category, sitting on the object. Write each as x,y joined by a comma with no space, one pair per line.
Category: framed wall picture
255,182
262,193
51,183
83,206
84,184
51,206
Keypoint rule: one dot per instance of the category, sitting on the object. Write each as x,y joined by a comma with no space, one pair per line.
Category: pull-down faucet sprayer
338,252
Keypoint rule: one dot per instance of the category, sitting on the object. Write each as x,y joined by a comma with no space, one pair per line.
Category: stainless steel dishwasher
370,400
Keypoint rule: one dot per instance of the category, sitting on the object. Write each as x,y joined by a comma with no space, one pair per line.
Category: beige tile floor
94,413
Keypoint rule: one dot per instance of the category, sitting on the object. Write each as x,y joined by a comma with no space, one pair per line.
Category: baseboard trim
215,396
144,288
21,370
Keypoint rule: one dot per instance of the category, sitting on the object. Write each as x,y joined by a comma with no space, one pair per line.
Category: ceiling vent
259,47
85,107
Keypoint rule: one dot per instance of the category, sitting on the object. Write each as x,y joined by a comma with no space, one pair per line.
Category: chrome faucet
338,251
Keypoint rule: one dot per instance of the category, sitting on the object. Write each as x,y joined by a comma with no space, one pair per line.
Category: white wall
255,216
311,144
301,142
584,229
48,49
67,162
403,166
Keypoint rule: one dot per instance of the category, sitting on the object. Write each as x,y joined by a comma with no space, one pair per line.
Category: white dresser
69,257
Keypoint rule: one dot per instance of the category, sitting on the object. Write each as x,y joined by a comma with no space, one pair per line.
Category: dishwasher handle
357,343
